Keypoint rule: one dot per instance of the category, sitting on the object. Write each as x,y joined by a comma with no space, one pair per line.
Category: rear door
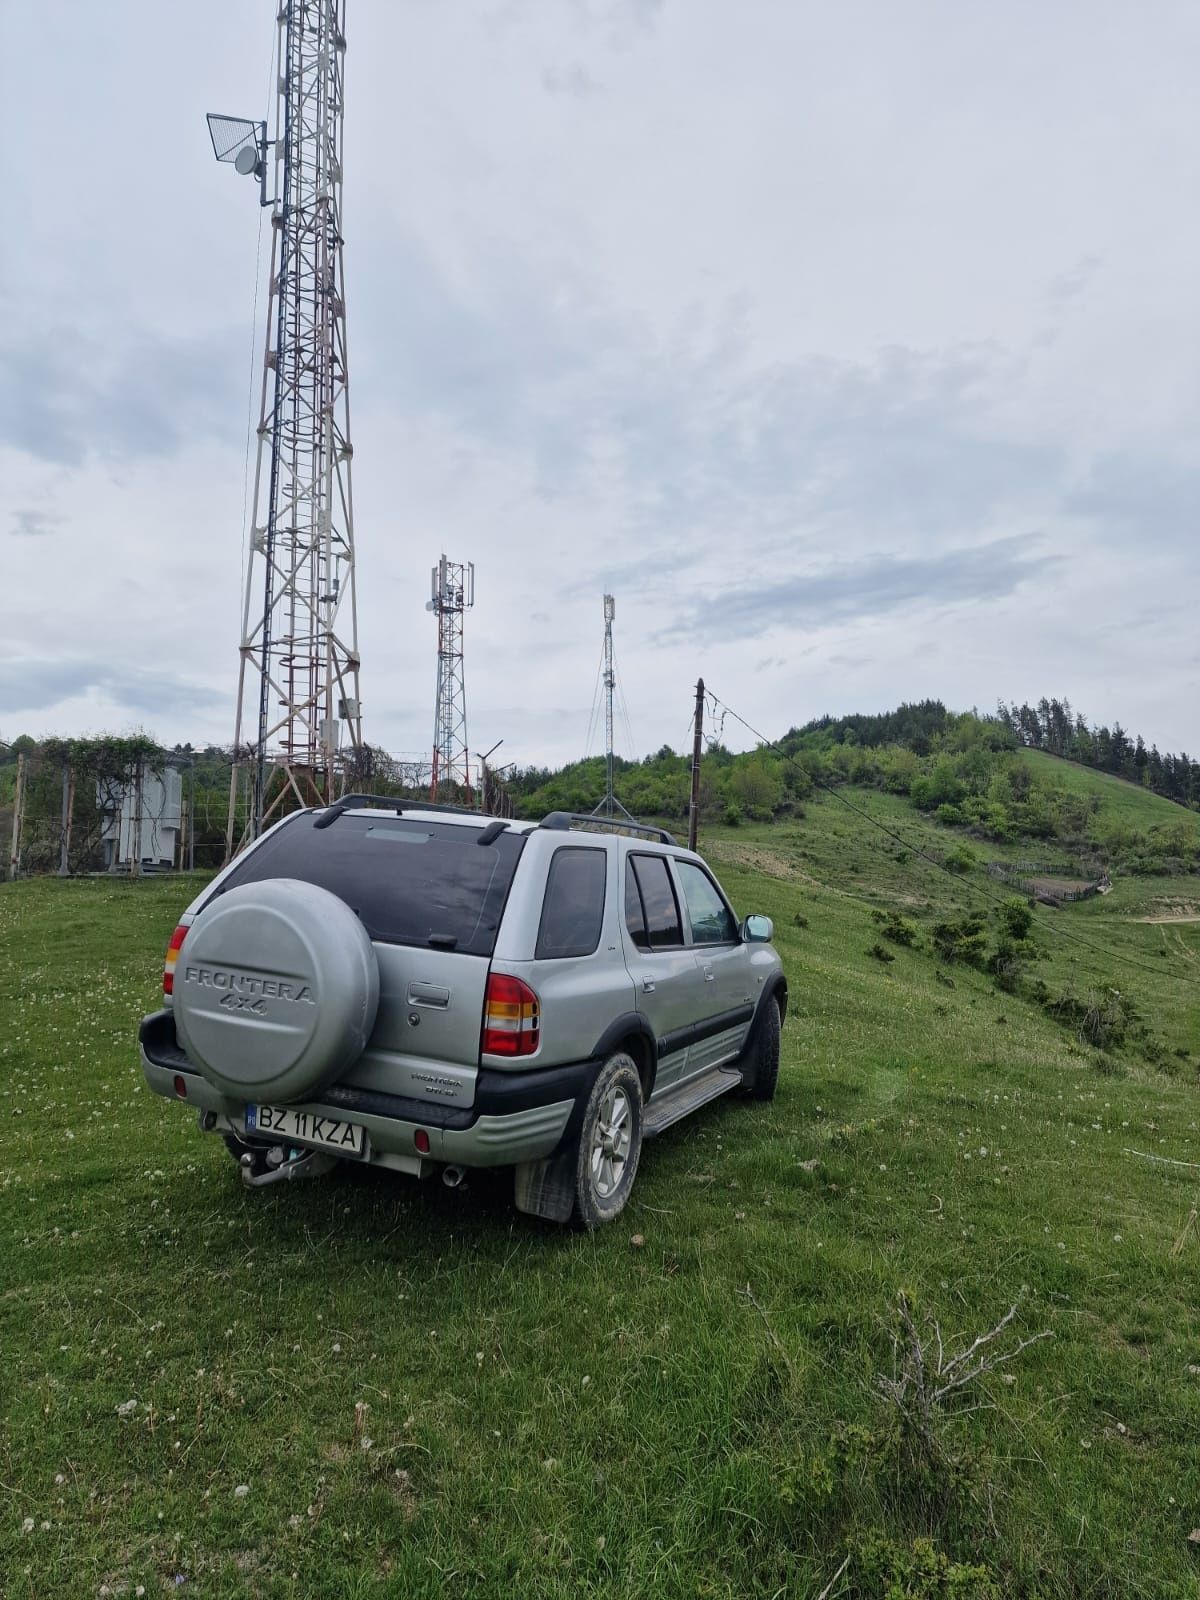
667,982
727,1002
431,899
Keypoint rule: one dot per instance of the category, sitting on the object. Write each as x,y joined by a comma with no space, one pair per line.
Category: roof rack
388,802
583,820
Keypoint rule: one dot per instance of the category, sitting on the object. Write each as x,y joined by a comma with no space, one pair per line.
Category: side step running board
676,1103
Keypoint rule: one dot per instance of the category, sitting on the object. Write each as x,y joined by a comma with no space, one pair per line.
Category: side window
573,910
635,917
711,919
659,906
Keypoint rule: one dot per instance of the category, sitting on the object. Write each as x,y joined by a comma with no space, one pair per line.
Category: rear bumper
517,1116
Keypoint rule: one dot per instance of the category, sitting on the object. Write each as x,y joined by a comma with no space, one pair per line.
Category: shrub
1015,917
920,1571
880,954
1100,1018
960,859
898,928
964,941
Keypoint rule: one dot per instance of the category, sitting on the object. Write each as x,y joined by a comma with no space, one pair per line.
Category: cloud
859,591
33,684
31,524
574,80
68,395
1127,496
1071,284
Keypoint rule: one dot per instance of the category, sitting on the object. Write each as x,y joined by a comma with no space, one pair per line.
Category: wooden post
135,854
14,855
697,738
68,805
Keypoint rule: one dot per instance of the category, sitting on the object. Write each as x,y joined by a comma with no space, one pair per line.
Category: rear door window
573,910
409,882
659,927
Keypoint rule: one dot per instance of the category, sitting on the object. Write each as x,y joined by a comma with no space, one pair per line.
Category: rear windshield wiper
442,941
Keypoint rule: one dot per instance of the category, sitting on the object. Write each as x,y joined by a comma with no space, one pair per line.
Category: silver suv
417,986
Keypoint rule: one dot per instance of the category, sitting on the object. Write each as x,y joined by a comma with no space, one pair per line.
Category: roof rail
389,802
584,820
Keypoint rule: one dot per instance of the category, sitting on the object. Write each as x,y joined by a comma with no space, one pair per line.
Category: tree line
1054,726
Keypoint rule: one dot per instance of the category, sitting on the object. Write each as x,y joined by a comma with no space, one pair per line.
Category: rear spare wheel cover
276,990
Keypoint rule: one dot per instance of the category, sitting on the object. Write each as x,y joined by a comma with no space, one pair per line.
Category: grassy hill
420,1390
1119,798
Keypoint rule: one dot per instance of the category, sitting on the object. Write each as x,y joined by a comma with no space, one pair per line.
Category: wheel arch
633,1034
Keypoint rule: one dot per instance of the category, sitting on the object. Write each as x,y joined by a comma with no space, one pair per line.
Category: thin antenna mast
453,594
610,803
299,667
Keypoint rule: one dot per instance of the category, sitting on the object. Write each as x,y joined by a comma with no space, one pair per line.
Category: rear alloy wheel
610,1143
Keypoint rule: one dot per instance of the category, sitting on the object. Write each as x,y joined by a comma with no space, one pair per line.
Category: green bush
960,859
894,927
964,941
1016,917
920,1571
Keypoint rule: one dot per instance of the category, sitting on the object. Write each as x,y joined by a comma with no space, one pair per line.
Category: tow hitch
283,1166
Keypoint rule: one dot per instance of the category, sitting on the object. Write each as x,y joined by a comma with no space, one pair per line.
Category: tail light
511,1017
177,939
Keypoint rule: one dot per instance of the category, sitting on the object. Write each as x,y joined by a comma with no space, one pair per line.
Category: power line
933,861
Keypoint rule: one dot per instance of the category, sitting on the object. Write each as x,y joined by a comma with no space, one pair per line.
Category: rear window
409,882
573,910
651,911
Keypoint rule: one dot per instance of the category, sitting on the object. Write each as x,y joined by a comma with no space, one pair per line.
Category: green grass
560,1415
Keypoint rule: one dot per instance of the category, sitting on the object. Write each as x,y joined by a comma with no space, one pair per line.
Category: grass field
361,1387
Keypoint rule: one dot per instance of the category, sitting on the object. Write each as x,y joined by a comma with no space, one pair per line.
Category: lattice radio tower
453,593
298,678
610,805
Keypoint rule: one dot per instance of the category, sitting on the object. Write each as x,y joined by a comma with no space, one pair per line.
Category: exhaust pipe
452,1176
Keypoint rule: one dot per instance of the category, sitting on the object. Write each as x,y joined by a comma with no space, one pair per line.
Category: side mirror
758,930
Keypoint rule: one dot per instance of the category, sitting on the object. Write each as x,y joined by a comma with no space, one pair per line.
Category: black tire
760,1070
607,1155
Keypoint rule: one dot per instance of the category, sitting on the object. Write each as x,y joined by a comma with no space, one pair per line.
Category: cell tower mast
610,804
298,678
453,594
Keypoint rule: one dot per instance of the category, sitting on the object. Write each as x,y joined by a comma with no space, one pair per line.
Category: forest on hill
967,770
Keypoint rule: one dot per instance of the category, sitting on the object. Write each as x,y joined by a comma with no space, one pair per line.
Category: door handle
710,977
647,985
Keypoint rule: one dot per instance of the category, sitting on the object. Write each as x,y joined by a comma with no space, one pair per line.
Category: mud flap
547,1188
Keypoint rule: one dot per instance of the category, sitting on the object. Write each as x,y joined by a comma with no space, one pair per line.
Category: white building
142,826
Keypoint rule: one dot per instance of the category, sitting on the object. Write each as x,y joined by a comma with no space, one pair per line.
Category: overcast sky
854,346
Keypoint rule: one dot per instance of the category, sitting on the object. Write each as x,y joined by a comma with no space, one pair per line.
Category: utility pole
14,854
483,774
697,739
298,676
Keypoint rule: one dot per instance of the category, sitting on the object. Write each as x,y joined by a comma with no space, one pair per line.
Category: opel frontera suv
421,988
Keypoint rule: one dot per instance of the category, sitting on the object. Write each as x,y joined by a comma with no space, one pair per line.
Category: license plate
306,1127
